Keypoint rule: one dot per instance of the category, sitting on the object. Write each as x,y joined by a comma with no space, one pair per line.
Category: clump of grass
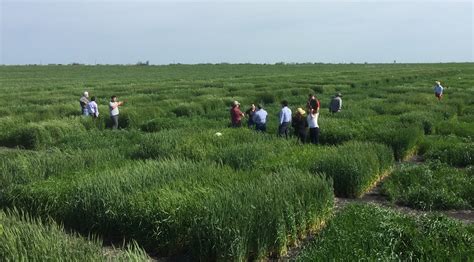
208,211
266,98
433,186
23,238
354,167
42,134
452,150
377,234
188,110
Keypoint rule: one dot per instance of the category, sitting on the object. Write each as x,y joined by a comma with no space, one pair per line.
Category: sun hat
339,94
438,82
218,134
86,93
301,111
236,103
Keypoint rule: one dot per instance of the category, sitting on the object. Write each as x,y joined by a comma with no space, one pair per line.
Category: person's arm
281,116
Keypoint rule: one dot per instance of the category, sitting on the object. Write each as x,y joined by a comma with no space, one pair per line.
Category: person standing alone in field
114,111
438,89
92,108
313,126
84,101
299,124
250,112
285,119
236,115
260,119
336,103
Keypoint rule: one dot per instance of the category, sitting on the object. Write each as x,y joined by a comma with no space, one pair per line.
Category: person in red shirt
236,115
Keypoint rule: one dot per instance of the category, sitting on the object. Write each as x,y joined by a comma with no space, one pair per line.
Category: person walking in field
313,126
84,100
114,111
250,112
236,115
438,89
336,103
285,119
260,119
92,108
299,124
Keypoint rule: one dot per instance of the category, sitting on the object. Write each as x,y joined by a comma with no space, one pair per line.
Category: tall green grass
452,150
368,232
433,186
197,208
354,167
23,238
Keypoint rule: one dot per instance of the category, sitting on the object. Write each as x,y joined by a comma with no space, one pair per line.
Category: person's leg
114,122
317,135
287,129
312,135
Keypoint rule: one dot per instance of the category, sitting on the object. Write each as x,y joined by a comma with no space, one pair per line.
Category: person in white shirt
93,108
313,126
438,89
285,119
114,111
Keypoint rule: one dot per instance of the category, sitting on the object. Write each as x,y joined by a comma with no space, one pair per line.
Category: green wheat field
164,186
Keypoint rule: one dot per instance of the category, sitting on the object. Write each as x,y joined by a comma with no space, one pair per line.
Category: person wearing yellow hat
299,124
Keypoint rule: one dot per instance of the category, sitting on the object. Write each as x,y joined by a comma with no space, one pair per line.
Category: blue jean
85,112
114,121
261,127
283,129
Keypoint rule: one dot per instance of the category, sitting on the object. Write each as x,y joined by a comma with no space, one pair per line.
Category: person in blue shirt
260,119
285,119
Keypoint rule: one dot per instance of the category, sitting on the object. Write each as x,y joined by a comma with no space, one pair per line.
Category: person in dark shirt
250,112
299,124
313,103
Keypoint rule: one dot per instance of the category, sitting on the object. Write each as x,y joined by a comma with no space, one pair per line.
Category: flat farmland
175,181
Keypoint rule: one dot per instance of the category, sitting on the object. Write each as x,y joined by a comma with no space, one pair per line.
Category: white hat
86,94
236,103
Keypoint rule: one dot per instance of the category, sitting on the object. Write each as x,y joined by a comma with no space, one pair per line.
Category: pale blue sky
163,32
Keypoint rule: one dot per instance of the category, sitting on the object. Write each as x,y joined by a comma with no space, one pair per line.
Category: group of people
257,115
90,108
257,118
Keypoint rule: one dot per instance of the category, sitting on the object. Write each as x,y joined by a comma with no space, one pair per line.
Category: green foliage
176,203
434,186
23,238
376,234
165,178
38,135
354,167
451,150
